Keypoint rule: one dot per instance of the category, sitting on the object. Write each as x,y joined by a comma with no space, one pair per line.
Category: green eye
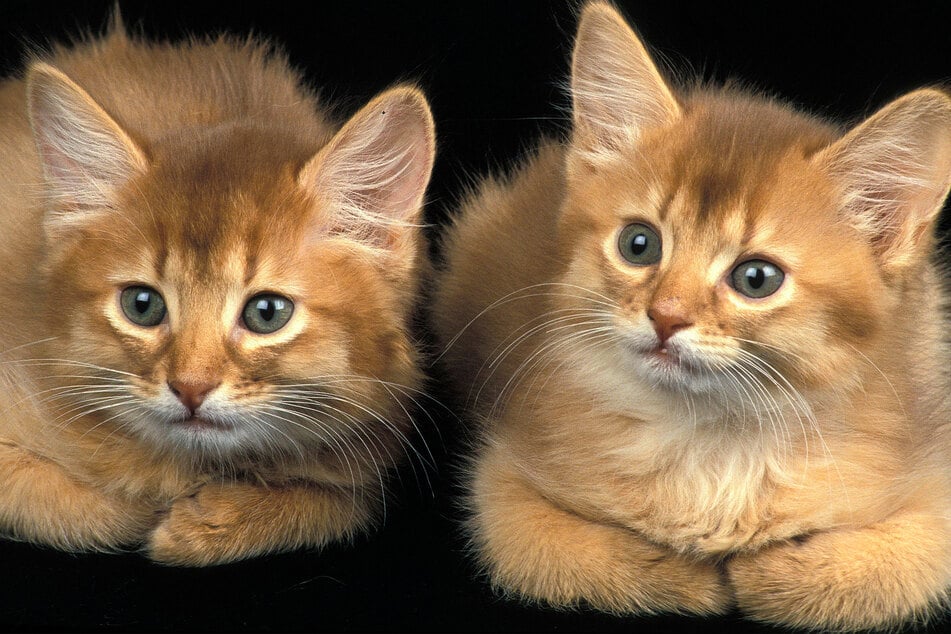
639,244
267,313
142,305
757,278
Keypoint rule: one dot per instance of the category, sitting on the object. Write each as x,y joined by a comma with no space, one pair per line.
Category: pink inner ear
616,87
895,169
85,154
373,174
59,167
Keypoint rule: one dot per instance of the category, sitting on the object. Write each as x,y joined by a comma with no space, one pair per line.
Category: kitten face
185,290
234,290
726,272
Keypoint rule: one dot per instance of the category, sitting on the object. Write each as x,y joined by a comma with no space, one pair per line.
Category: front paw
769,586
200,529
826,582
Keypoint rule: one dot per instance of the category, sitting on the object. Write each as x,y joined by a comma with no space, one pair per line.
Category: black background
493,71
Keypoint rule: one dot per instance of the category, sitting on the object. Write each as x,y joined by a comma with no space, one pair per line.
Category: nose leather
192,394
667,317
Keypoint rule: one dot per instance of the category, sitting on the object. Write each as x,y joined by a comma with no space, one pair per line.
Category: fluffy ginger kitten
206,300
706,340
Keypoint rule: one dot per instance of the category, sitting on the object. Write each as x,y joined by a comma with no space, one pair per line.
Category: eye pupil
269,308
266,309
639,244
755,277
142,302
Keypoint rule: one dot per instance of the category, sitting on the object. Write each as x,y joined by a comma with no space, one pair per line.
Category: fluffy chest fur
674,479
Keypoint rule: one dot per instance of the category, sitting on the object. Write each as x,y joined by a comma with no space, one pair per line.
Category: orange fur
205,171
797,443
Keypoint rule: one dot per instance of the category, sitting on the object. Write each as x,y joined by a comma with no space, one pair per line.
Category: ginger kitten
206,299
706,345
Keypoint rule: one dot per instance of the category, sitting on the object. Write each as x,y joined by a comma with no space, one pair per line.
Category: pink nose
192,394
667,319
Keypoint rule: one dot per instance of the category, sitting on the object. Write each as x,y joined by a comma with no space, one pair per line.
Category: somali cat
206,301
706,343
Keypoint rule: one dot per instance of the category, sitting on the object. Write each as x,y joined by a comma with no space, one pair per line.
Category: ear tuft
895,172
85,154
617,91
373,173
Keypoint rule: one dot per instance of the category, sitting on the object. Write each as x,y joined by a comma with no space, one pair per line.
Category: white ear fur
895,169
374,171
85,154
617,91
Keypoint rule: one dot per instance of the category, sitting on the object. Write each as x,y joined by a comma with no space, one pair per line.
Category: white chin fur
164,424
682,368
635,379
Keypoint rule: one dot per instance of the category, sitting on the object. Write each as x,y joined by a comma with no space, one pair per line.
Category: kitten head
233,288
744,248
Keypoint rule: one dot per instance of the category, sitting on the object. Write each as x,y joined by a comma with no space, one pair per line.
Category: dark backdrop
492,70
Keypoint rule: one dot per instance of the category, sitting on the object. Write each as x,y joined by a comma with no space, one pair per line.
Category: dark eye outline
266,327
628,232
738,275
155,313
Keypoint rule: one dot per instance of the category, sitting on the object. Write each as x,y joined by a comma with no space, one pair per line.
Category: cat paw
220,523
200,529
769,587
804,584
627,587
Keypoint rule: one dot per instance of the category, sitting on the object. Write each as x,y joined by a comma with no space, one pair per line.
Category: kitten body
654,440
206,300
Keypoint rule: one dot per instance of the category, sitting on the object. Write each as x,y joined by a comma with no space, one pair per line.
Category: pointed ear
617,91
373,173
895,172
85,154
